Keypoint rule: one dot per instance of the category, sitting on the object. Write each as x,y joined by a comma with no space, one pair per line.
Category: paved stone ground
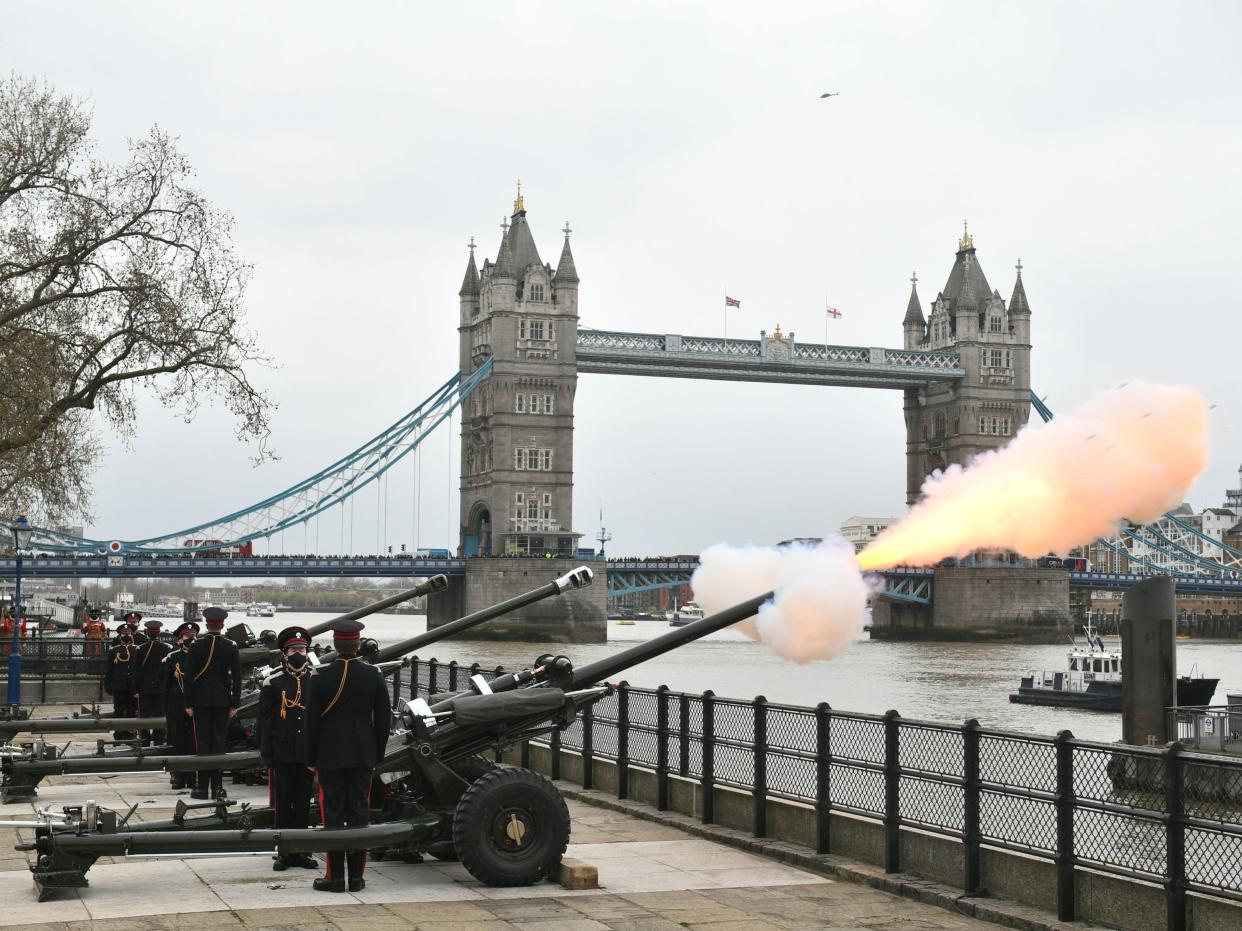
653,878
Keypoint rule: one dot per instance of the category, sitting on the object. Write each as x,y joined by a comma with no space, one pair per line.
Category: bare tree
115,279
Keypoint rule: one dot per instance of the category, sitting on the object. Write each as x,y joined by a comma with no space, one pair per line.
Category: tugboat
1092,680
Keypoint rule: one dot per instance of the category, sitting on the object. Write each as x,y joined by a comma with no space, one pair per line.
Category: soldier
348,715
172,678
150,686
212,694
282,742
119,677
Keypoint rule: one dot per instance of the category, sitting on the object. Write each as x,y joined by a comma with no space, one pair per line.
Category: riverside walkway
652,877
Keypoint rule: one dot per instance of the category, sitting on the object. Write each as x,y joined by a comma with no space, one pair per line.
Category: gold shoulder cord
210,653
297,699
147,654
116,660
340,688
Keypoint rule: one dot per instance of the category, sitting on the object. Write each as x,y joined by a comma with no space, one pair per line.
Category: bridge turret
914,325
469,293
565,281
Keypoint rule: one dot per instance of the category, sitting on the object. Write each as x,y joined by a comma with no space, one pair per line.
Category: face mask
296,660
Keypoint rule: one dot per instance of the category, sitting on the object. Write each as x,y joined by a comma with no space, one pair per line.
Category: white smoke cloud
820,603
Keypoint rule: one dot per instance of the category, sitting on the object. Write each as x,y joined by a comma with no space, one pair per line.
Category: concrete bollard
1148,660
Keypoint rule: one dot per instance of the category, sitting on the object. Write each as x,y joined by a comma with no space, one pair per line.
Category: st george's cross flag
833,312
732,301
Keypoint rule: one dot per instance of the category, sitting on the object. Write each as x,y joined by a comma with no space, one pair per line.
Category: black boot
329,885
280,863
199,793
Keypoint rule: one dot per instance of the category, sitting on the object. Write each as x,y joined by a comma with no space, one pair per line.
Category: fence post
683,763
396,686
1065,825
823,776
433,673
623,740
413,677
971,833
759,818
662,748
452,667
892,793
1175,827
588,746
708,779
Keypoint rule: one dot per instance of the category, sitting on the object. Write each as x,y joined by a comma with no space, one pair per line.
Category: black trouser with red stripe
151,705
344,803
210,727
124,705
289,794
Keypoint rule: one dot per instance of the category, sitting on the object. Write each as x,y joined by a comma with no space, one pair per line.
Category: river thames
948,682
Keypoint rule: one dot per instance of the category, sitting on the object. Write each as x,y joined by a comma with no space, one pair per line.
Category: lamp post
22,532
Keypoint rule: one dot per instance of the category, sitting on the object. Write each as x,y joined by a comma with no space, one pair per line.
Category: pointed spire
914,310
504,258
470,284
1018,303
566,271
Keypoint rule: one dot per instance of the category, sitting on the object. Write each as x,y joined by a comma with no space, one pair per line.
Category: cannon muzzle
575,578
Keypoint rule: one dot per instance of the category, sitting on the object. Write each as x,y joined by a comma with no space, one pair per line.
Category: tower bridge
963,368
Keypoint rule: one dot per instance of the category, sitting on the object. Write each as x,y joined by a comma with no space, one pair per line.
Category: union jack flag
732,301
833,312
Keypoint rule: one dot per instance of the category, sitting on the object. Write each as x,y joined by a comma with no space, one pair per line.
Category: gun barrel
604,669
437,583
574,579
75,725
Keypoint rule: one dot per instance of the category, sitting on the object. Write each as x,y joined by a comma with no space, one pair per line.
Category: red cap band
295,642
347,635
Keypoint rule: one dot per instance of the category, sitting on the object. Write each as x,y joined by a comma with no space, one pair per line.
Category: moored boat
1092,680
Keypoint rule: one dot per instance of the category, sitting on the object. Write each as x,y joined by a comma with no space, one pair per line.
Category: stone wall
574,617
1001,603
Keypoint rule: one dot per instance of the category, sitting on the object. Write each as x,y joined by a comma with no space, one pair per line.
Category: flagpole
825,325
726,313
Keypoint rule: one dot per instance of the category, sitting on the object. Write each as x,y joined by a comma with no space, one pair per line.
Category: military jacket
172,676
348,715
150,657
120,669
213,673
282,718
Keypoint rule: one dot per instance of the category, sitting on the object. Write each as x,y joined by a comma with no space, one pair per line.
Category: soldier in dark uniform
172,679
120,677
212,694
348,715
282,742
150,686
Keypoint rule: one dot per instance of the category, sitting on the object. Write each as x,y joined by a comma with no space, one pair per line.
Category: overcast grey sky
360,145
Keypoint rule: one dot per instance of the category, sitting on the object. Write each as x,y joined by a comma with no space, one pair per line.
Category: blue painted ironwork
762,360
299,503
66,566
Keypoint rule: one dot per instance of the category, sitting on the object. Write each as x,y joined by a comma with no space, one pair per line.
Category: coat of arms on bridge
777,347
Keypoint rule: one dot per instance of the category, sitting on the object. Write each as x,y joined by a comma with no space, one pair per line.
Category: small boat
261,609
686,614
1092,680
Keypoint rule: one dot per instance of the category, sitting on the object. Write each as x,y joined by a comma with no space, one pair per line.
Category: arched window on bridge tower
938,425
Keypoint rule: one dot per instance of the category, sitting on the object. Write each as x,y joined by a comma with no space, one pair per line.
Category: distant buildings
860,531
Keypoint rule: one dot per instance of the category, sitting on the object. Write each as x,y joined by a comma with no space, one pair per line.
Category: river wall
994,603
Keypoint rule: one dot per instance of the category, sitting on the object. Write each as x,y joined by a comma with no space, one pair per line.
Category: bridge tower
949,423
517,427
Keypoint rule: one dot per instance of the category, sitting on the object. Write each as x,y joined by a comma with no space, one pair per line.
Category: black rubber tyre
511,828
470,769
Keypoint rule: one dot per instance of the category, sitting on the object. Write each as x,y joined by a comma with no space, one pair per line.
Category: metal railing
1158,815
1212,728
55,658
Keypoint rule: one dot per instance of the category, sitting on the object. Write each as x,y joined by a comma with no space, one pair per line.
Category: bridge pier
986,603
575,617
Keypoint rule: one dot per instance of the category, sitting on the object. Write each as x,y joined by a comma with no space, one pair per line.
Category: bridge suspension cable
330,486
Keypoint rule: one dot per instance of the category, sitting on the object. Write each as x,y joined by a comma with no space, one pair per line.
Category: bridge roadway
625,576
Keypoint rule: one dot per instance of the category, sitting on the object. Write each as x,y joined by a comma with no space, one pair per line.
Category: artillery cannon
23,773
23,766
508,826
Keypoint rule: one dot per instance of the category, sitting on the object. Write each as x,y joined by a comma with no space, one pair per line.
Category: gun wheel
471,769
511,828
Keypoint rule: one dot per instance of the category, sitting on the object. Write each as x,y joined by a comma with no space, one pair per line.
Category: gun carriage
508,826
